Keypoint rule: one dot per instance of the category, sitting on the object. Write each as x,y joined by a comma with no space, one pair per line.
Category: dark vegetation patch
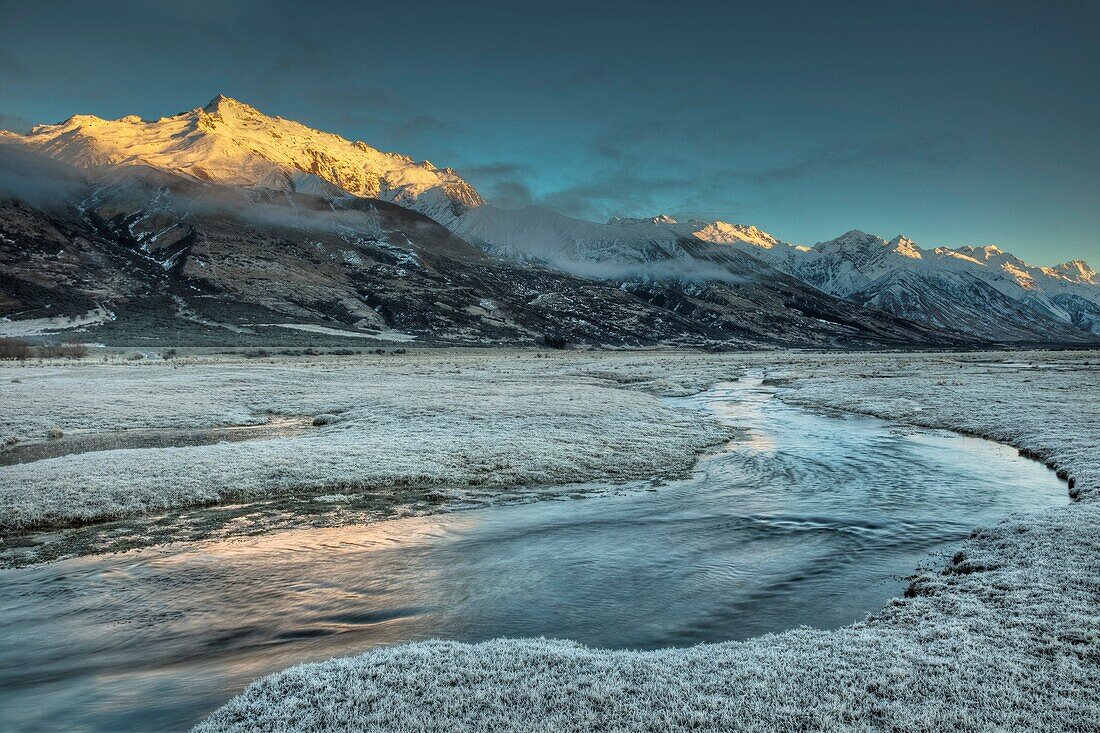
22,299
15,349
62,351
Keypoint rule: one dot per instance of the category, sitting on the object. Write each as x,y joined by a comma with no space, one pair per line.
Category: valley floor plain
1005,637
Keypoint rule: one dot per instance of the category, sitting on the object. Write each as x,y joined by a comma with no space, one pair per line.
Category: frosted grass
420,422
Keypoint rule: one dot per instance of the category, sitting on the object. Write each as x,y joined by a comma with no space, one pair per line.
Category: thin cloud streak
926,150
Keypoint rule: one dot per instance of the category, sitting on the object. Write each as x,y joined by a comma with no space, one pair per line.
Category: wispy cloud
14,123
662,164
616,192
497,170
503,183
606,191
421,125
625,140
509,194
944,150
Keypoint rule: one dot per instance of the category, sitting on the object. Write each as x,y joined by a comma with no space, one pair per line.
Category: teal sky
953,123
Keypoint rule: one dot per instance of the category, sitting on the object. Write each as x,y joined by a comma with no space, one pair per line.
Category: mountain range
983,291
225,225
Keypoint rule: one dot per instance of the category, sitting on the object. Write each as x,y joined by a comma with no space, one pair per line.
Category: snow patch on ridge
55,324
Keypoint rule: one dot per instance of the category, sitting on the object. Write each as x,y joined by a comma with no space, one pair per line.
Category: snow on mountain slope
232,143
952,299
662,261
983,291
1075,271
846,264
720,232
866,257
945,285
1083,313
1011,272
852,262
627,221
542,235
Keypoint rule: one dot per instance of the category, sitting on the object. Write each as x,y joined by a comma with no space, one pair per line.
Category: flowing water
275,427
806,519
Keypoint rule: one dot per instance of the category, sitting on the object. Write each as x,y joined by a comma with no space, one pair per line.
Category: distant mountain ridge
982,291
231,143
944,286
540,234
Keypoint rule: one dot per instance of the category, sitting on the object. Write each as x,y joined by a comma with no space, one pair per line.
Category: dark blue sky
955,123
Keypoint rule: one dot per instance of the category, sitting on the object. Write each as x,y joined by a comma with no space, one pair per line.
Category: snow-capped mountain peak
855,245
629,221
1076,271
988,253
721,232
968,282
866,251
715,232
857,235
905,247
223,104
957,254
852,241
233,143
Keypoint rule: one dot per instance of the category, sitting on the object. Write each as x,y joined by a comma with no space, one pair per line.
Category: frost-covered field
1007,637
423,420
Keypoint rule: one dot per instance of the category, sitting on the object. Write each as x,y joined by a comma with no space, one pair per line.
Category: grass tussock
62,351
15,349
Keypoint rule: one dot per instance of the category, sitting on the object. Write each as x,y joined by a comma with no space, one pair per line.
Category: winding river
806,518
